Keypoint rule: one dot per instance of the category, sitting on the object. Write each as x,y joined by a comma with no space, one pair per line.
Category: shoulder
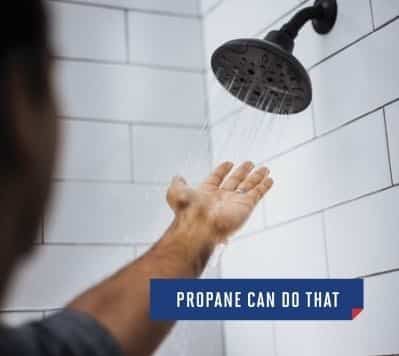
66,333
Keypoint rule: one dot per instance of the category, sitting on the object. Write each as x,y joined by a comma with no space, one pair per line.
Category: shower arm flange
323,15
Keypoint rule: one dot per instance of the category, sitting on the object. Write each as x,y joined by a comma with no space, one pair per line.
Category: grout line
342,49
131,154
133,123
206,100
128,64
372,13
387,23
90,180
330,207
312,112
264,212
228,115
139,10
387,145
376,274
324,228
127,35
110,181
274,337
224,338
326,133
19,311
95,121
212,8
90,244
313,213
199,8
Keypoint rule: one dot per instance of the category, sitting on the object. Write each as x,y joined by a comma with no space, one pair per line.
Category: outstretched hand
222,202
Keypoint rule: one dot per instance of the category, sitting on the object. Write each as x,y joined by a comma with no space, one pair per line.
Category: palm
226,202
229,209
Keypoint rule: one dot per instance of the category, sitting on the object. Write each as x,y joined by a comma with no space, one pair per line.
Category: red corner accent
356,312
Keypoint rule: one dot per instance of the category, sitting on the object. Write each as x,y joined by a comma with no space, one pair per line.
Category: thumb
178,181
178,196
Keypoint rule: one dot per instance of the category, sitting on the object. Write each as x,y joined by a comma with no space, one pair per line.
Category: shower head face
263,75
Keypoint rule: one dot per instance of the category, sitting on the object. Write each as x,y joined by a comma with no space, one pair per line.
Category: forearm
121,303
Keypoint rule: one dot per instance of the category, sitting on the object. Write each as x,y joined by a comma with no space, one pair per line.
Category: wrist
195,240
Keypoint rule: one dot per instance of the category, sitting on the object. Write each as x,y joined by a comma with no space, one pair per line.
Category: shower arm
323,15
292,27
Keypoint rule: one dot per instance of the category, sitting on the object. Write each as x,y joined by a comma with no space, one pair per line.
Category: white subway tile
373,332
384,11
15,319
282,252
236,19
165,40
194,338
357,80
92,150
348,163
88,32
206,5
56,274
321,338
392,117
382,314
130,93
353,22
256,221
361,236
186,7
161,153
107,213
253,338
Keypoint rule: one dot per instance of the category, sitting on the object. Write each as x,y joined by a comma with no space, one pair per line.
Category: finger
217,176
238,176
178,182
258,192
253,179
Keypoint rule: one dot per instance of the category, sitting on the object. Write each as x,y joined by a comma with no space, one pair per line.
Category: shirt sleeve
67,333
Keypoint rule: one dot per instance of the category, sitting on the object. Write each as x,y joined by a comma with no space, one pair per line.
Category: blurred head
28,127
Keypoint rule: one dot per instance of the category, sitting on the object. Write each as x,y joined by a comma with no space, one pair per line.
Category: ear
31,123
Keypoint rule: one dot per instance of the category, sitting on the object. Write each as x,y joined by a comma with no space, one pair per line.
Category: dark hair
24,46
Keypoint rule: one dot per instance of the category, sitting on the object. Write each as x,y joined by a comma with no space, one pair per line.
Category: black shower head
264,73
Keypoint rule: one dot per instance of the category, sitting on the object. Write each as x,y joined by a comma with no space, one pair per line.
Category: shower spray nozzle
264,73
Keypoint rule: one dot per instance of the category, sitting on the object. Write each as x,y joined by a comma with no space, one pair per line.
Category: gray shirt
68,333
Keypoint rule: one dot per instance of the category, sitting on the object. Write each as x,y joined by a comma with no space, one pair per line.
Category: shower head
264,73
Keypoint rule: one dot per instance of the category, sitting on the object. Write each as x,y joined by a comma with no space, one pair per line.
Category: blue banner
256,299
